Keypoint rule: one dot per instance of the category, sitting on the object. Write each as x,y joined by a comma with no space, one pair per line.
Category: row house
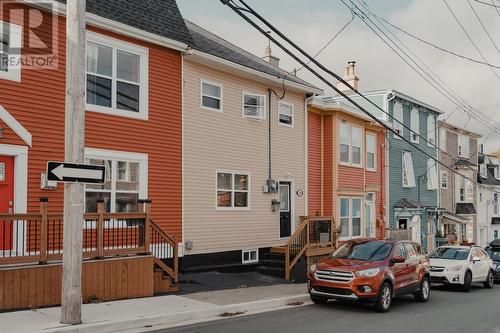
458,190
412,176
347,156
488,192
133,120
245,153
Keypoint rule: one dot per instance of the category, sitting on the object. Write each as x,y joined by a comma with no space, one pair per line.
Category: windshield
495,255
450,253
369,251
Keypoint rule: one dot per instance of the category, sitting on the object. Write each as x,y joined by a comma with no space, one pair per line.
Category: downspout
270,174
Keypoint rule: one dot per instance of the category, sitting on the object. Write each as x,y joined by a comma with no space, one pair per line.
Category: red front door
6,200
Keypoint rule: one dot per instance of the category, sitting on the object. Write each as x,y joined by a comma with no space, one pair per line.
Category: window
410,251
117,77
351,138
463,146
126,181
232,190
371,150
211,96
285,114
462,189
466,190
483,170
345,143
432,178
253,106
415,125
444,180
495,203
408,174
398,119
249,256
350,217
399,251
10,46
431,130
495,234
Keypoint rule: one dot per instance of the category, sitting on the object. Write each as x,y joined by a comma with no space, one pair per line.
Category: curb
179,318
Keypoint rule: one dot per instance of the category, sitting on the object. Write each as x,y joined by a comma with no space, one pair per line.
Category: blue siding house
412,176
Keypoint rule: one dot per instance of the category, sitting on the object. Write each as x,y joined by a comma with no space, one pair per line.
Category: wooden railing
38,237
313,232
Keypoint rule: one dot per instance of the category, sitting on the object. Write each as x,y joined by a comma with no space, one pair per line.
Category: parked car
461,265
373,271
494,252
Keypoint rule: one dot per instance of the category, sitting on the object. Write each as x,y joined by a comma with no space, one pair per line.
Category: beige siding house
229,214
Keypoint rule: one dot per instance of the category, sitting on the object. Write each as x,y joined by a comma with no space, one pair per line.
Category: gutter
113,26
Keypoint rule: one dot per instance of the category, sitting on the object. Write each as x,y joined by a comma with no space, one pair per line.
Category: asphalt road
447,311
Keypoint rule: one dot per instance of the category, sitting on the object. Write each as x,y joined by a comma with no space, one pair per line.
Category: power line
496,8
492,4
239,10
470,38
484,27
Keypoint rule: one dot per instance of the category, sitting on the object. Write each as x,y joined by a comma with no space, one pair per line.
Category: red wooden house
133,123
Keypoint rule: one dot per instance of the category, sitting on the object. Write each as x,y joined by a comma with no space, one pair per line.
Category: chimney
269,57
350,77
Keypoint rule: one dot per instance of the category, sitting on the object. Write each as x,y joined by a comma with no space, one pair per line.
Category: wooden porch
126,255
315,237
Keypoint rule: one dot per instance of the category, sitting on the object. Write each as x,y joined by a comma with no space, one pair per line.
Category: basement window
249,256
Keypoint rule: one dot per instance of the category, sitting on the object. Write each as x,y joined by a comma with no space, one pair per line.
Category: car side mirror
398,259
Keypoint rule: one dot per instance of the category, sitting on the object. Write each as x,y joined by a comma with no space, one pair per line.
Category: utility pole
71,296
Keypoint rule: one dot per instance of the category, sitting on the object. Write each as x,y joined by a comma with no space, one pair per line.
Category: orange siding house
134,109
346,167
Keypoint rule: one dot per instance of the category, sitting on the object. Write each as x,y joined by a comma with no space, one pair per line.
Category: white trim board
16,126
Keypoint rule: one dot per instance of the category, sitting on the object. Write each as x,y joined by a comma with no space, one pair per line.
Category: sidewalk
152,313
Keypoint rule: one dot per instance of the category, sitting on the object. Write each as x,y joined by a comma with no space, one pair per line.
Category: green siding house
412,176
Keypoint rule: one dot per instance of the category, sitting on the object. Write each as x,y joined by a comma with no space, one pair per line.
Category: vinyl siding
38,104
227,141
314,162
9,137
328,155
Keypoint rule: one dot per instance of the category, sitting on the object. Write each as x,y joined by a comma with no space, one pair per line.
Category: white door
370,215
415,229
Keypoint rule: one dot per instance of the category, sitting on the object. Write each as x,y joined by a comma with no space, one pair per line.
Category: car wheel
467,282
384,299
425,290
489,281
318,300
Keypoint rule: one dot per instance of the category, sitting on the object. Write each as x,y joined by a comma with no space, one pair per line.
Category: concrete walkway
138,315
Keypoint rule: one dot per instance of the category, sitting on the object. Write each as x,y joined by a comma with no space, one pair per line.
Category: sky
311,23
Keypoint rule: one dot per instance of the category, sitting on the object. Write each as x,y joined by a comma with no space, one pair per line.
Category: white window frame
483,170
249,261
248,191
444,183
398,119
143,53
415,125
463,151
245,93
15,41
374,136
351,150
362,226
293,113
215,84
432,175
410,172
494,204
122,156
431,134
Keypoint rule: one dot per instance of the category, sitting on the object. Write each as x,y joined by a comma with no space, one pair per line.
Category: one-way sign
76,173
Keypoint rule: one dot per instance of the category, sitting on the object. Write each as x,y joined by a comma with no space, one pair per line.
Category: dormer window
483,170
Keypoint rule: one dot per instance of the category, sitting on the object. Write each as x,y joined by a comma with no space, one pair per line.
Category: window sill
236,209
285,125
141,115
254,118
371,170
12,75
211,109
357,166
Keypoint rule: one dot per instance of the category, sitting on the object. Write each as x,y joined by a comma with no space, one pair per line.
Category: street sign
76,173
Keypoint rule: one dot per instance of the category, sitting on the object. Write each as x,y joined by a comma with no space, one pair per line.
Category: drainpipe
270,175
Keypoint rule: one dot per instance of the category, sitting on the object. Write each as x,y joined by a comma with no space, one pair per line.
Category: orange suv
371,270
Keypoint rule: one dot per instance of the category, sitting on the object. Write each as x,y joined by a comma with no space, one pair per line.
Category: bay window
371,149
408,173
350,217
351,138
232,190
414,125
253,106
125,181
116,77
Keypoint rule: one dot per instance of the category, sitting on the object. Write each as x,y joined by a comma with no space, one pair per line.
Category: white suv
461,265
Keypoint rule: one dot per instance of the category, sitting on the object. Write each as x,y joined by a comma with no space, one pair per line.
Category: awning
450,218
466,208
